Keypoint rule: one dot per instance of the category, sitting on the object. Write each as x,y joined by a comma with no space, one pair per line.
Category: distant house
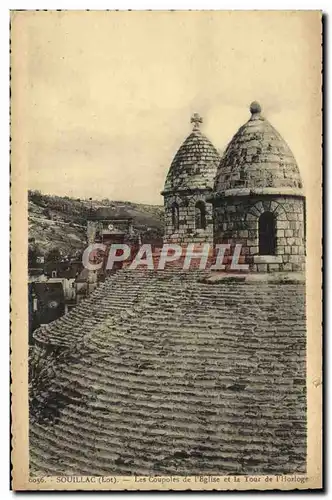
52,291
68,269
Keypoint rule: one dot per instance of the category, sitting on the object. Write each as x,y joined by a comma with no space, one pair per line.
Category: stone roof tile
195,164
257,157
187,378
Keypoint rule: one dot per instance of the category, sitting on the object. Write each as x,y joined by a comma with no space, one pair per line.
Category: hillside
60,221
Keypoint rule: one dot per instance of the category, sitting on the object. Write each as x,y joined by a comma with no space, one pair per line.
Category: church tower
188,215
258,199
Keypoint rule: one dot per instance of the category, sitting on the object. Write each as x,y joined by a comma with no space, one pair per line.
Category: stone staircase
174,375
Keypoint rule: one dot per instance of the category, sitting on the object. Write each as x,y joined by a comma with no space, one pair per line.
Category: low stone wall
236,222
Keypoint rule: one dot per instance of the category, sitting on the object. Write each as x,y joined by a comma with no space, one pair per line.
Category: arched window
267,234
175,216
200,215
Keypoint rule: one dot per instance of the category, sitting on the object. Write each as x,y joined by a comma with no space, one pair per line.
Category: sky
103,100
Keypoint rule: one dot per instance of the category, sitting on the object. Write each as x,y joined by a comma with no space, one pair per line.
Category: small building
68,269
46,301
103,226
106,227
51,292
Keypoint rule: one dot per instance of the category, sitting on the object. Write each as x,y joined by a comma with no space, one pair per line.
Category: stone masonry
236,222
187,232
258,175
189,181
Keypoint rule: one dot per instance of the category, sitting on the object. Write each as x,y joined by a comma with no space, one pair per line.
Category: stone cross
196,119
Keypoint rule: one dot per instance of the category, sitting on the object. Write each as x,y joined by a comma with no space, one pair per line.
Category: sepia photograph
166,250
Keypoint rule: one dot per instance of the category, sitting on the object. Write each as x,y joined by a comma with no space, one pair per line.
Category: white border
167,5
5,6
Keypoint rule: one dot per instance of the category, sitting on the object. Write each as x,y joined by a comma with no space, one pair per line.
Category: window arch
175,216
267,234
200,215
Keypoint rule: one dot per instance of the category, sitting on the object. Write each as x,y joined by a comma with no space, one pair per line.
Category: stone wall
187,232
236,222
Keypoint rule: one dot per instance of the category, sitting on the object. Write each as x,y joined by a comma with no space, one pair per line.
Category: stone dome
195,164
258,160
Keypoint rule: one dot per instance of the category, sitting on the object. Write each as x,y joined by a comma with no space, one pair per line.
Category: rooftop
166,373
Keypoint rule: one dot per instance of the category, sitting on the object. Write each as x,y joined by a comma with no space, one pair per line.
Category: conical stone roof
195,164
159,372
258,159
